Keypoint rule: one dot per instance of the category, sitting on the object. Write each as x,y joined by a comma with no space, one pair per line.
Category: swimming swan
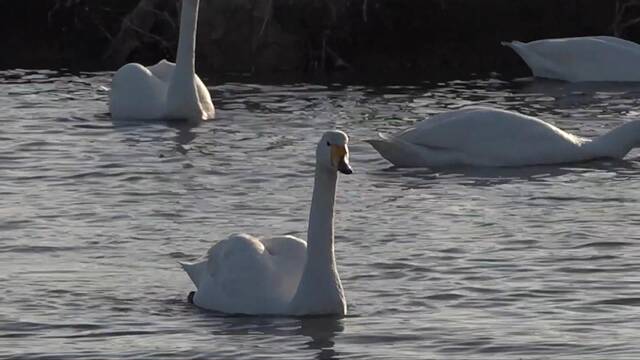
164,90
593,58
283,275
482,136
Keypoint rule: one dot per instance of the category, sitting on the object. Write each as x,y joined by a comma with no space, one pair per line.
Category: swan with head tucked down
591,58
164,90
482,136
282,275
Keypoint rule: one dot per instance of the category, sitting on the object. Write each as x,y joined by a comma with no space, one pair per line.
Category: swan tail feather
390,149
194,270
511,44
380,143
540,65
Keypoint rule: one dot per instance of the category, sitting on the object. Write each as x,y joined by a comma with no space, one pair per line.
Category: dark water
539,262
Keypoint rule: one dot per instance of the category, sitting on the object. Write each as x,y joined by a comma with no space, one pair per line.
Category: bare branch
619,24
137,23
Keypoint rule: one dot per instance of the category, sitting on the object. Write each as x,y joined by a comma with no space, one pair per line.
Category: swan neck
320,290
320,240
617,142
185,57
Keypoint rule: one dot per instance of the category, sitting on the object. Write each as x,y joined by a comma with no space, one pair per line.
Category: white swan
482,136
164,90
594,58
283,275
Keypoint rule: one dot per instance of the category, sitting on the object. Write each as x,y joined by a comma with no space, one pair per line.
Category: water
538,262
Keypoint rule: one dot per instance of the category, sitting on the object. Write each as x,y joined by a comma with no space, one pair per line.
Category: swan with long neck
482,136
282,275
164,90
589,58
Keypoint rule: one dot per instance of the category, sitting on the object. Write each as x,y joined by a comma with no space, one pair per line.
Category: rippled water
463,263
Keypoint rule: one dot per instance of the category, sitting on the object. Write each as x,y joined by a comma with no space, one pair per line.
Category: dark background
369,40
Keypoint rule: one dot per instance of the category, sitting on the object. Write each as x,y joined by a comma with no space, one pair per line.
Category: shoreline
407,40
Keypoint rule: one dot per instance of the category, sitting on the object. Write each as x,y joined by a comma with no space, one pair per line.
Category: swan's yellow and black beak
340,158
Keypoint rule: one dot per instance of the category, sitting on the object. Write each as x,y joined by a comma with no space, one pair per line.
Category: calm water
539,262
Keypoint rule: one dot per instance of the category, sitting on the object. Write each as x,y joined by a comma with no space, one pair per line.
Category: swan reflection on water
574,99
185,133
320,331
415,178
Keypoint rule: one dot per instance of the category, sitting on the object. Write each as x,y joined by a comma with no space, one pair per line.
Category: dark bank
291,40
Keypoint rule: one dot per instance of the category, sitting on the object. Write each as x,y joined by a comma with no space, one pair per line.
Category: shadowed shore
302,39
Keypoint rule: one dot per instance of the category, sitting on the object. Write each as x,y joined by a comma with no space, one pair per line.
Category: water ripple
470,263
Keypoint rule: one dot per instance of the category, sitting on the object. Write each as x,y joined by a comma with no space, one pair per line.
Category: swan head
332,152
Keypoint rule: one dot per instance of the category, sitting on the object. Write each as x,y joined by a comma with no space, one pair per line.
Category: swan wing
615,41
480,136
248,275
136,93
474,128
163,70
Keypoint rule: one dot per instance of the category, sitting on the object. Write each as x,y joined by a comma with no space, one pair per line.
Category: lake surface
540,262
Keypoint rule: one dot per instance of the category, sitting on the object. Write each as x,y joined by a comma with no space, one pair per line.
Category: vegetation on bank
405,38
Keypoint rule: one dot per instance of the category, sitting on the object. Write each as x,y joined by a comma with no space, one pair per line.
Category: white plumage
592,58
245,274
281,275
483,136
164,90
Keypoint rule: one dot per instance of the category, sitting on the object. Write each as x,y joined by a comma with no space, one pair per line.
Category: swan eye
328,143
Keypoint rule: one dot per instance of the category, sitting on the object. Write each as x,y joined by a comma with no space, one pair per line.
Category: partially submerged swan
282,275
164,90
592,58
482,136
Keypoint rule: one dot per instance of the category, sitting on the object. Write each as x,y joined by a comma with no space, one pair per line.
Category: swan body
592,58
482,136
245,274
164,90
281,275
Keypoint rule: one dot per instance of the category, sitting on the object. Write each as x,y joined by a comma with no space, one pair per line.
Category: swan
483,136
283,275
164,90
591,58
